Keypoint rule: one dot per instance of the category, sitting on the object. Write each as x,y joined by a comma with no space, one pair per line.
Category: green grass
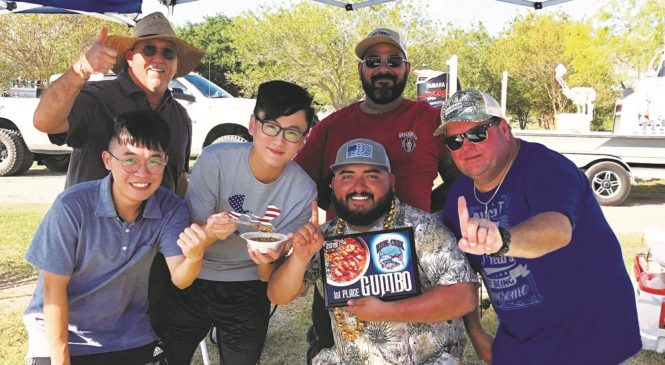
17,226
286,342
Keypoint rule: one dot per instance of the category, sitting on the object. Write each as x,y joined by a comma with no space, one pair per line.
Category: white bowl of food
263,241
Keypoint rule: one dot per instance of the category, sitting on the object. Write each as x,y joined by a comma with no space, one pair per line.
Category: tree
635,28
313,45
211,35
530,51
38,46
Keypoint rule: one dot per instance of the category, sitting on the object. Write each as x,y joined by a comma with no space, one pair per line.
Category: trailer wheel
610,182
13,153
227,134
57,163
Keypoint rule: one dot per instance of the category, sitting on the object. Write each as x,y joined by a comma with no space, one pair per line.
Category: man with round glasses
79,113
94,249
256,180
530,224
404,127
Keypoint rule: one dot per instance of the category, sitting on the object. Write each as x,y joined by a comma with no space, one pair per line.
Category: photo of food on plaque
381,264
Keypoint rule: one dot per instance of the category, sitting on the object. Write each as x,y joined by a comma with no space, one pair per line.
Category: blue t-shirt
572,306
109,263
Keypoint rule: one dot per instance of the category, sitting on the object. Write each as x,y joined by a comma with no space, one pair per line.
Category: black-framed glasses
272,129
474,135
132,165
150,50
392,61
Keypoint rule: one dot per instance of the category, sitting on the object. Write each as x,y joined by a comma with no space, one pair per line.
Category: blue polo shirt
108,261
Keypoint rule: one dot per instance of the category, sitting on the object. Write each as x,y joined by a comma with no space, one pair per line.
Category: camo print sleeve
441,262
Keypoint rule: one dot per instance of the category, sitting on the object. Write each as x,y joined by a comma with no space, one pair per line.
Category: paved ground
42,186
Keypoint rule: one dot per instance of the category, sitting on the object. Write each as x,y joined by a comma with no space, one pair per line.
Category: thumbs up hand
98,59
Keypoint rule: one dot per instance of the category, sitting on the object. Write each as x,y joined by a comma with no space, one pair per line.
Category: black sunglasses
474,135
392,61
151,50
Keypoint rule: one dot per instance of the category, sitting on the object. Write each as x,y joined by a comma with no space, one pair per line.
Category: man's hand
99,58
221,225
479,236
269,257
367,308
307,240
193,241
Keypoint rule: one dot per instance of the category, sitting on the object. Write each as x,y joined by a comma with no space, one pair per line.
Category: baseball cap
361,151
468,106
380,35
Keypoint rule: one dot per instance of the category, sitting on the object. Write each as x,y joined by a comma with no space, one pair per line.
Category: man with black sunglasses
530,224
404,127
78,113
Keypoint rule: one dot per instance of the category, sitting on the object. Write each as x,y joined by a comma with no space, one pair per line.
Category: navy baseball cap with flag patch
361,151
468,106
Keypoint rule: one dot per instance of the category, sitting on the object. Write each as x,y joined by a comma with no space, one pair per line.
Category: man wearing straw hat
79,114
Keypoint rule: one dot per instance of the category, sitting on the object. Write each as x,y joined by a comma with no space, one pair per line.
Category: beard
383,94
363,218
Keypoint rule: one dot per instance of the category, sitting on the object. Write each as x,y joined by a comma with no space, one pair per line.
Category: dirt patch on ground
15,292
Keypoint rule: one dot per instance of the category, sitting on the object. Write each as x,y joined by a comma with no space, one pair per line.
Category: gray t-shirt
223,182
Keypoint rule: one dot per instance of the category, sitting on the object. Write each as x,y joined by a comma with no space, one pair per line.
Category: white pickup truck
216,116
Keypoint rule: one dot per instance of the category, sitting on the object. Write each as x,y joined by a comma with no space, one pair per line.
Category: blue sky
495,15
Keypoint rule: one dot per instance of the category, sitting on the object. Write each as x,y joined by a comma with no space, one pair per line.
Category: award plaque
382,264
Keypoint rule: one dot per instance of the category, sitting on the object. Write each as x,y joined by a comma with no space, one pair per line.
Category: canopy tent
134,6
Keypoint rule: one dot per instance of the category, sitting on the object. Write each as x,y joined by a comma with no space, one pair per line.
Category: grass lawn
286,338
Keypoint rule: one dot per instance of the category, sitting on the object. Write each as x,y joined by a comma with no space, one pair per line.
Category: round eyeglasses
132,165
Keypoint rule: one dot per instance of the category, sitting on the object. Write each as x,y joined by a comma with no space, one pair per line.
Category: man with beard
404,127
422,329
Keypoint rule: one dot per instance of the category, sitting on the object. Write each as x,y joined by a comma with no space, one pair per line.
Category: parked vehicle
612,160
216,116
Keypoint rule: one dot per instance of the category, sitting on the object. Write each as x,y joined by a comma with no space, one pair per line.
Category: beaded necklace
350,333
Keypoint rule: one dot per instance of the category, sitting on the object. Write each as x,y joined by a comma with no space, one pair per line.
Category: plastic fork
258,225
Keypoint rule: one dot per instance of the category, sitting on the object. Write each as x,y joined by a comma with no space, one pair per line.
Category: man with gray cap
530,224
423,329
404,127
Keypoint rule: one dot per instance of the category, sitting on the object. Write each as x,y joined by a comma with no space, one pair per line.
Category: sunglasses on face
271,129
150,50
392,61
474,135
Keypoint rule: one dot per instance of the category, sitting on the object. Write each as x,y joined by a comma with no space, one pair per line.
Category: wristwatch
505,246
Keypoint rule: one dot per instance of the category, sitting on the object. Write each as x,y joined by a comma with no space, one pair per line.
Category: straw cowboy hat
155,26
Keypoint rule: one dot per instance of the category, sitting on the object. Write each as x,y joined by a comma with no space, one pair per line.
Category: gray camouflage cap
468,106
361,151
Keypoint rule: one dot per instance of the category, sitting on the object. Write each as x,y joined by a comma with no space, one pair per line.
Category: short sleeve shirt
91,128
108,262
440,262
222,181
407,135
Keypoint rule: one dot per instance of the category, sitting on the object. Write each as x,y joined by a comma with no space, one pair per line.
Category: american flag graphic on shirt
237,202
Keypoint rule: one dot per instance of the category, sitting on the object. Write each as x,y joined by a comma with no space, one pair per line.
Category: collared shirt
91,128
440,262
108,262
